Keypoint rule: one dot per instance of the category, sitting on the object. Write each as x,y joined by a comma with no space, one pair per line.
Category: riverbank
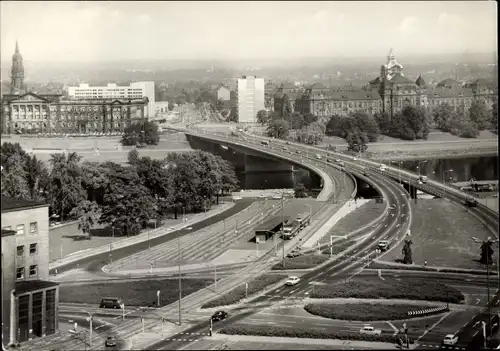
419,155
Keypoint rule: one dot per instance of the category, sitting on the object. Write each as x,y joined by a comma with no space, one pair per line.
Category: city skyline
206,30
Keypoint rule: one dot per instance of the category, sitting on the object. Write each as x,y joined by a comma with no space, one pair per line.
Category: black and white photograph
249,175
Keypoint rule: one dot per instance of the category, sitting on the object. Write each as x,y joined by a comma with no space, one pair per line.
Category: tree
469,131
333,125
406,251
233,117
65,187
309,118
127,204
357,141
312,134
262,117
300,191
443,116
297,121
486,252
478,114
278,129
140,133
14,178
494,116
415,118
384,121
88,214
133,156
367,124
286,108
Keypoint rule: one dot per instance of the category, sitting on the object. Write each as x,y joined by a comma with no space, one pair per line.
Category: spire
17,47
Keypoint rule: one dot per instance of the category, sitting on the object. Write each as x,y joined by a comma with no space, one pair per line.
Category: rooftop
270,224
11,204
32,285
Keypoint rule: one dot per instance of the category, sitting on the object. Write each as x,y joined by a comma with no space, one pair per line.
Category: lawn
339,247
132,293
302,332
407,288
363,311
355,220
240,292
441,233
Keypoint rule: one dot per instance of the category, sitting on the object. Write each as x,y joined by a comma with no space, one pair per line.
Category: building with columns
390,92
31,113
29,300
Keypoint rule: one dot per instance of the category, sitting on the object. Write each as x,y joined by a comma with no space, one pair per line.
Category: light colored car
292,281
236,198
369,330
337,160
277,196
318,156
450,339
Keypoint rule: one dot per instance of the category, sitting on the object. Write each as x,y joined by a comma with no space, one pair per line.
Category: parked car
366,174
369,330
293,254
292,281
110,341
298,151
110,302
219,315
284,148
450,339
236,198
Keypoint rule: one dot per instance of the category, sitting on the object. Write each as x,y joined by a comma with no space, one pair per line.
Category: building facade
223,94
390,92
8,280
31,113
136,90
34,299
250,92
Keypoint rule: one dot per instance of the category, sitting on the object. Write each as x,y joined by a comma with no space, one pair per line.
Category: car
450,339
383,245
219,315
298,151
110,341
110,302
318,156
284,148
277,196
292,281
337,160
288,143
293,254
366,174
236,198
369,330
355,158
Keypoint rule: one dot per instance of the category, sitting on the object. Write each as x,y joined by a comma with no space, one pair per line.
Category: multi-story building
390,92
250,92
109,112
136,90
223,93
33,307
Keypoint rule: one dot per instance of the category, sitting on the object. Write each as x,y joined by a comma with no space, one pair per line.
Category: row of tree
125,197
140,134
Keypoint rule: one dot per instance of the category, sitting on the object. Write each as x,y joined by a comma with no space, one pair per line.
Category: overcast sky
102,31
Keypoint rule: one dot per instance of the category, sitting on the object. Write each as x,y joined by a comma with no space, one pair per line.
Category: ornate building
390,92
30,113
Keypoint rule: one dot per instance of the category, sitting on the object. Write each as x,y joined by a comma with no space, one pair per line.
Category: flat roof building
250,93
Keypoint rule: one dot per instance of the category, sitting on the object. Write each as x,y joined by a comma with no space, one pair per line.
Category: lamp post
180,280
418,167
400,163
444,183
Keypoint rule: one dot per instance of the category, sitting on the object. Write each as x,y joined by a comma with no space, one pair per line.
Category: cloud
408,25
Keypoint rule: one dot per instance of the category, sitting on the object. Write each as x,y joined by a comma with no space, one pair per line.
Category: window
7,228
33,270
20,251
33,249
20,229
33,228
20,273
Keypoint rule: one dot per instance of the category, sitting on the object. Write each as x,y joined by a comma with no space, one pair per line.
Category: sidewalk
139,238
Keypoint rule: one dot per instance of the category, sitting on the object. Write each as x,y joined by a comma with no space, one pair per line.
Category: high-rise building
136,90
250,91
29,300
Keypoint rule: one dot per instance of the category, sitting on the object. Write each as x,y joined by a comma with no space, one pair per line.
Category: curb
394,266
429,311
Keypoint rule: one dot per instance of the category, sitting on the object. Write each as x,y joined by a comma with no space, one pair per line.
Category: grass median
363,311
407,289
132,293
303,332
241,292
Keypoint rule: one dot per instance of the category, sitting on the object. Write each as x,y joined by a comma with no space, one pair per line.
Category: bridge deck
478,182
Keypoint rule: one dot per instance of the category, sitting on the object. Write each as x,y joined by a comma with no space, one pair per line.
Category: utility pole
180,280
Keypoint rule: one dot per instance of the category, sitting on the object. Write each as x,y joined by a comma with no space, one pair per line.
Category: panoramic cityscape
249,175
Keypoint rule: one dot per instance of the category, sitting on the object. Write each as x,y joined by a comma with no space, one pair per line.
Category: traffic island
304,332
402,288
133,293
245,290
300,262
371,311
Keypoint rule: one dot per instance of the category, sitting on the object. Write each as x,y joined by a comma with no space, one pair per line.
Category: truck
303,220
423,179
290,229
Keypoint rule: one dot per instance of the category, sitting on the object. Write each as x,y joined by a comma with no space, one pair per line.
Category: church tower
17,73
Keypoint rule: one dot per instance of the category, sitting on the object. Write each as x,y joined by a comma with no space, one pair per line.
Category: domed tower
17,73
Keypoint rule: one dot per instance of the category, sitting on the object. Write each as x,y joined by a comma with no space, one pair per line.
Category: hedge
301,262
238,293
407,288
303,332
362,311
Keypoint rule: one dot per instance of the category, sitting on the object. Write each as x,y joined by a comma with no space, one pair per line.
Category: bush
469,132
362,311
409,289
238,293
304,332
301,262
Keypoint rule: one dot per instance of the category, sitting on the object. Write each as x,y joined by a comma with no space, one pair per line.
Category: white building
223,94
250,92
133,91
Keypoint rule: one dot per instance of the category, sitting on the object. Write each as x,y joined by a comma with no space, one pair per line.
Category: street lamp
418,167
444,172
400,163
